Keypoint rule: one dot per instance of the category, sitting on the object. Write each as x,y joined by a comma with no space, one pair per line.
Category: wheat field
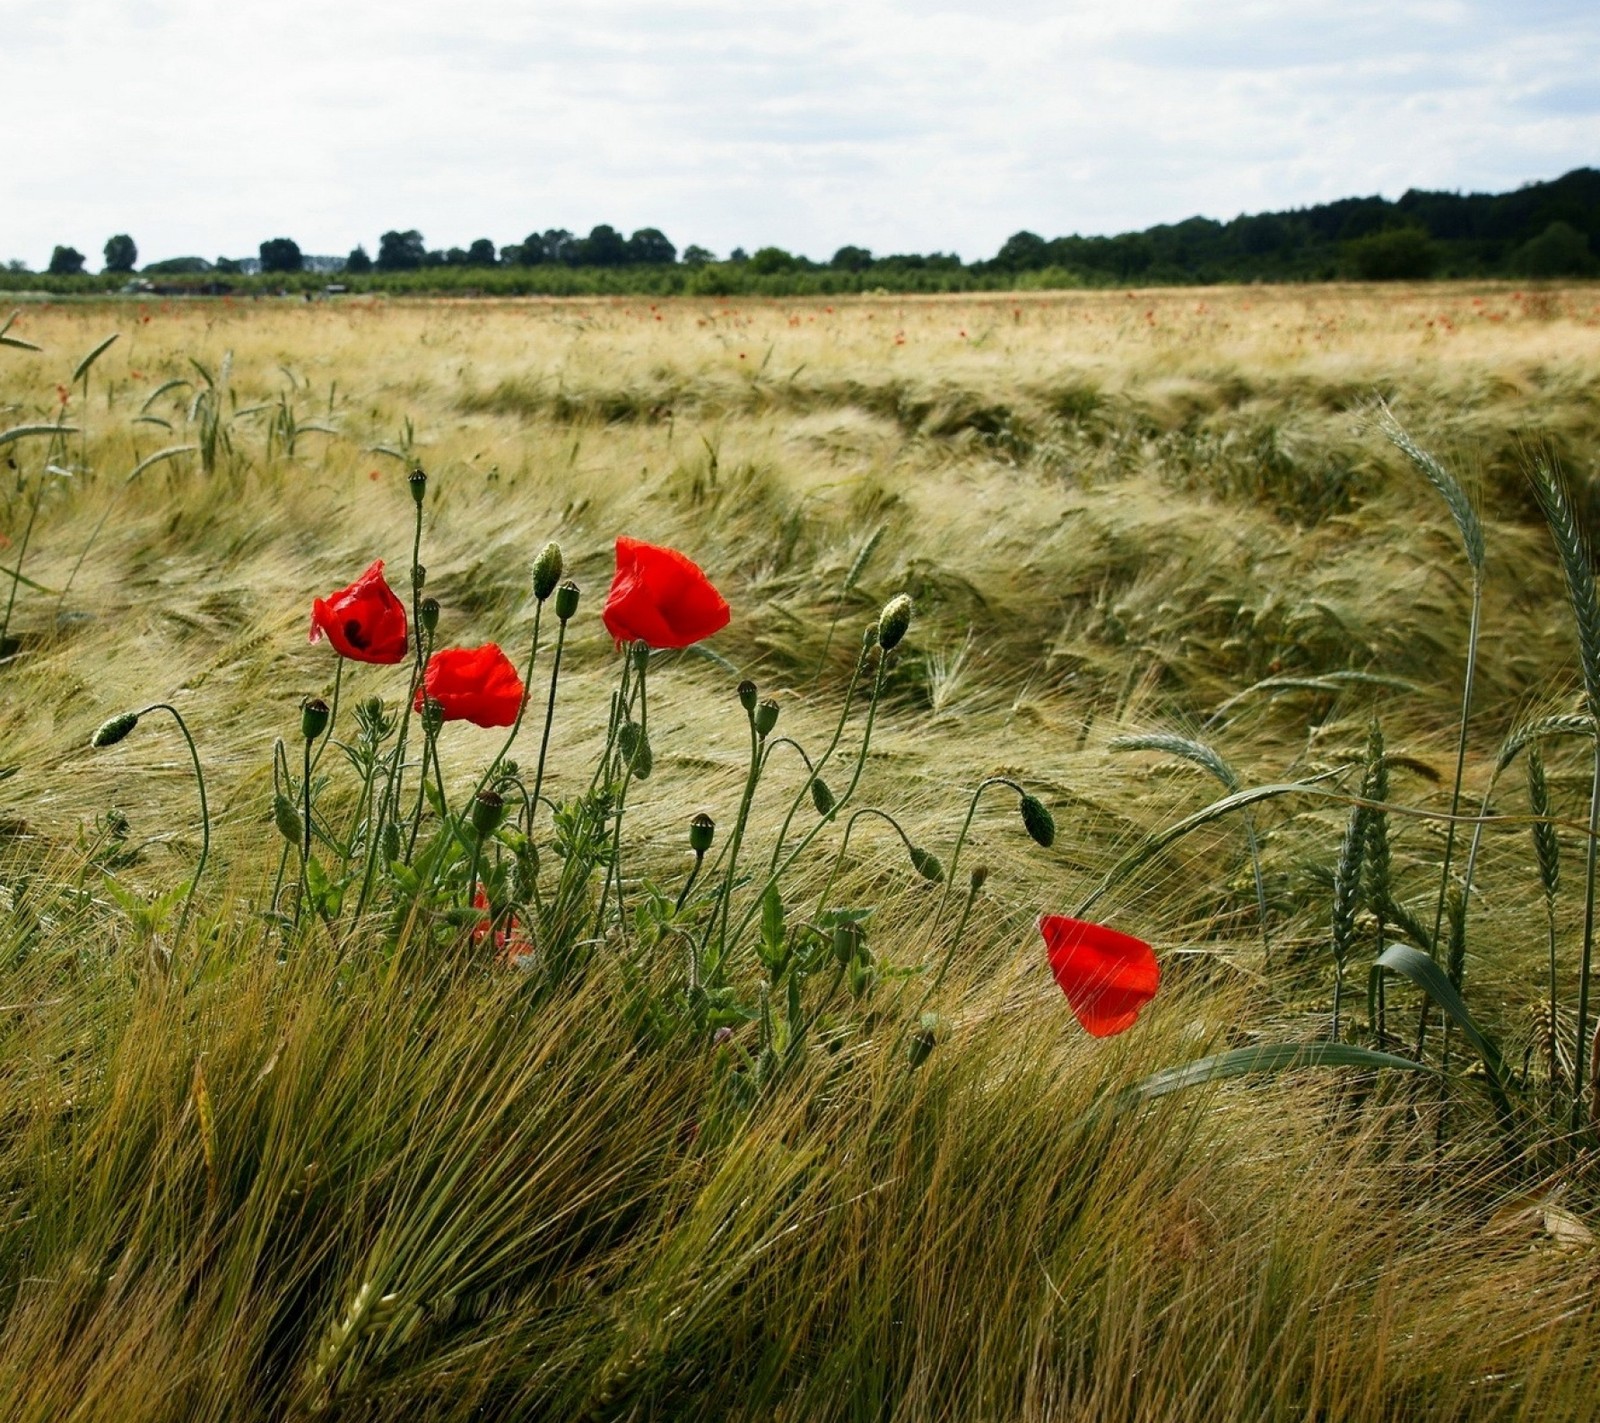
256,1175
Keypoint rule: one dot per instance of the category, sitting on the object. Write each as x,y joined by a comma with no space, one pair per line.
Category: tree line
1548,229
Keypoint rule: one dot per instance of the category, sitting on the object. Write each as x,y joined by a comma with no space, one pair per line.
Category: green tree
481,253
66,262
1023,252
695,255
121,254
768,261
1559,251
281,254
358,262
1397,255
649,247
603,247
851,259
401,251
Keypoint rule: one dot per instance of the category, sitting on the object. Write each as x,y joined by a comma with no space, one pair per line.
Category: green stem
1582,1044
720,909
333,713
205,815
955,943
1461,749
822,761
961,838
614,869
549,718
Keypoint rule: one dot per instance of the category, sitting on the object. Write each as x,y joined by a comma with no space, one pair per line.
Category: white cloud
898,124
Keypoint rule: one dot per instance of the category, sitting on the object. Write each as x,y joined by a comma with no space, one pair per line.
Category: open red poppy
476,684
365,622
510,943
1107,976
661,597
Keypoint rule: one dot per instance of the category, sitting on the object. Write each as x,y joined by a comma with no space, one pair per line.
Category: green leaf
28,432
171,452
1431,979
772,920
17,341
82,368
27,582
162,389
1271,1057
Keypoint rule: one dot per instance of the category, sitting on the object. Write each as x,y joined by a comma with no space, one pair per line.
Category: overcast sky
899,125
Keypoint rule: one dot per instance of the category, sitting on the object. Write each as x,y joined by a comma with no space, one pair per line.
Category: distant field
1119,514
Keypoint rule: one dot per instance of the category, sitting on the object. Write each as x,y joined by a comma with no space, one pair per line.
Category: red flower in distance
661,597
1107,976
510,943
365,622
476,684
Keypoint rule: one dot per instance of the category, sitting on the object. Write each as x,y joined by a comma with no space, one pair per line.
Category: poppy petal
365,622
660,597
1108,976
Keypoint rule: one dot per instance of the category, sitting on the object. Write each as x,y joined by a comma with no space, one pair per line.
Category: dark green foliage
281,254
1559,251
1401,254
358,263
401,251
120,253
65,262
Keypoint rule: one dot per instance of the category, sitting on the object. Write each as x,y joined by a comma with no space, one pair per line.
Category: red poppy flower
510,943
1107,976
476,684
365,622
661,597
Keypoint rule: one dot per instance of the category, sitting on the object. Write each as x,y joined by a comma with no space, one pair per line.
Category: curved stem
844,844
955,943
822,760
961,838
333,713
205,815
549,717
720,910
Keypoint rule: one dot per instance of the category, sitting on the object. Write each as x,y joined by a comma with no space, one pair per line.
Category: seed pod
428,612
894,621
930,1029
977,878
419,576
313,718
848,941
821,796
566,600
747,695
108,733
702,831
418,480
287,819
432,715
391,842
927,865
546,571
640,652
766,716
487,809
1037,821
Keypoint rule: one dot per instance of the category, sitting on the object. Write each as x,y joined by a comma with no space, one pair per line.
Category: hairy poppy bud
546,571
640,652
108,733
432,715
391,842
748,695
566,600
487,809
635,747
702,831
766,716
428,612
979,877
1038,821
894,621
927,865
313,718
930,1028
418,480
821,796
287,819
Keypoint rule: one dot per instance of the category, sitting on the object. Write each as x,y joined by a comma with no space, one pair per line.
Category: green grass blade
29,432
1272,1057
1431,979
171,452
177,383
82,368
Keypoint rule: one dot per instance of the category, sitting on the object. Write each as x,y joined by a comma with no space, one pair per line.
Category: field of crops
428,1082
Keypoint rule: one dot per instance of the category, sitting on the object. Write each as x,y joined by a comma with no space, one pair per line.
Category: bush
1398,255
1559,251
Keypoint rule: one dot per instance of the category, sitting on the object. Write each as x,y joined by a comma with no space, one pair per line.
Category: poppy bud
766,716
108,733
927,865
547,571
640,652
428,612
391,842
287,819
979,876
419,576
432,715
487,809
313,718
635,747
821,796
862,977
702,831
418,480
925,1039
1038,821
566,600
894,621
747,695
847,940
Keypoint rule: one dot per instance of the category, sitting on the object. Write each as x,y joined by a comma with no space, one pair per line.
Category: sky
897,125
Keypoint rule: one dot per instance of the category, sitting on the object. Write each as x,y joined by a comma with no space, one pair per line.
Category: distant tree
65,262
358,261
121,254
1559,251
281,254
853,259
770,260
178,267
455,257
1397,255
1260,235
695,255
16,264
229,266
1363,217
481,253
401,251
1022,252
738,256
511,254
649,247
603,247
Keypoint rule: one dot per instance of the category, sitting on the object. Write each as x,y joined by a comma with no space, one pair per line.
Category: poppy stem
549,718
333,712
305,831
961,839
734,841
688,884
955,943
205,816
614,869
844,844
516,726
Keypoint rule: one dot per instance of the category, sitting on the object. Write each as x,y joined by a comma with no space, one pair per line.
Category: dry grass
1117,513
